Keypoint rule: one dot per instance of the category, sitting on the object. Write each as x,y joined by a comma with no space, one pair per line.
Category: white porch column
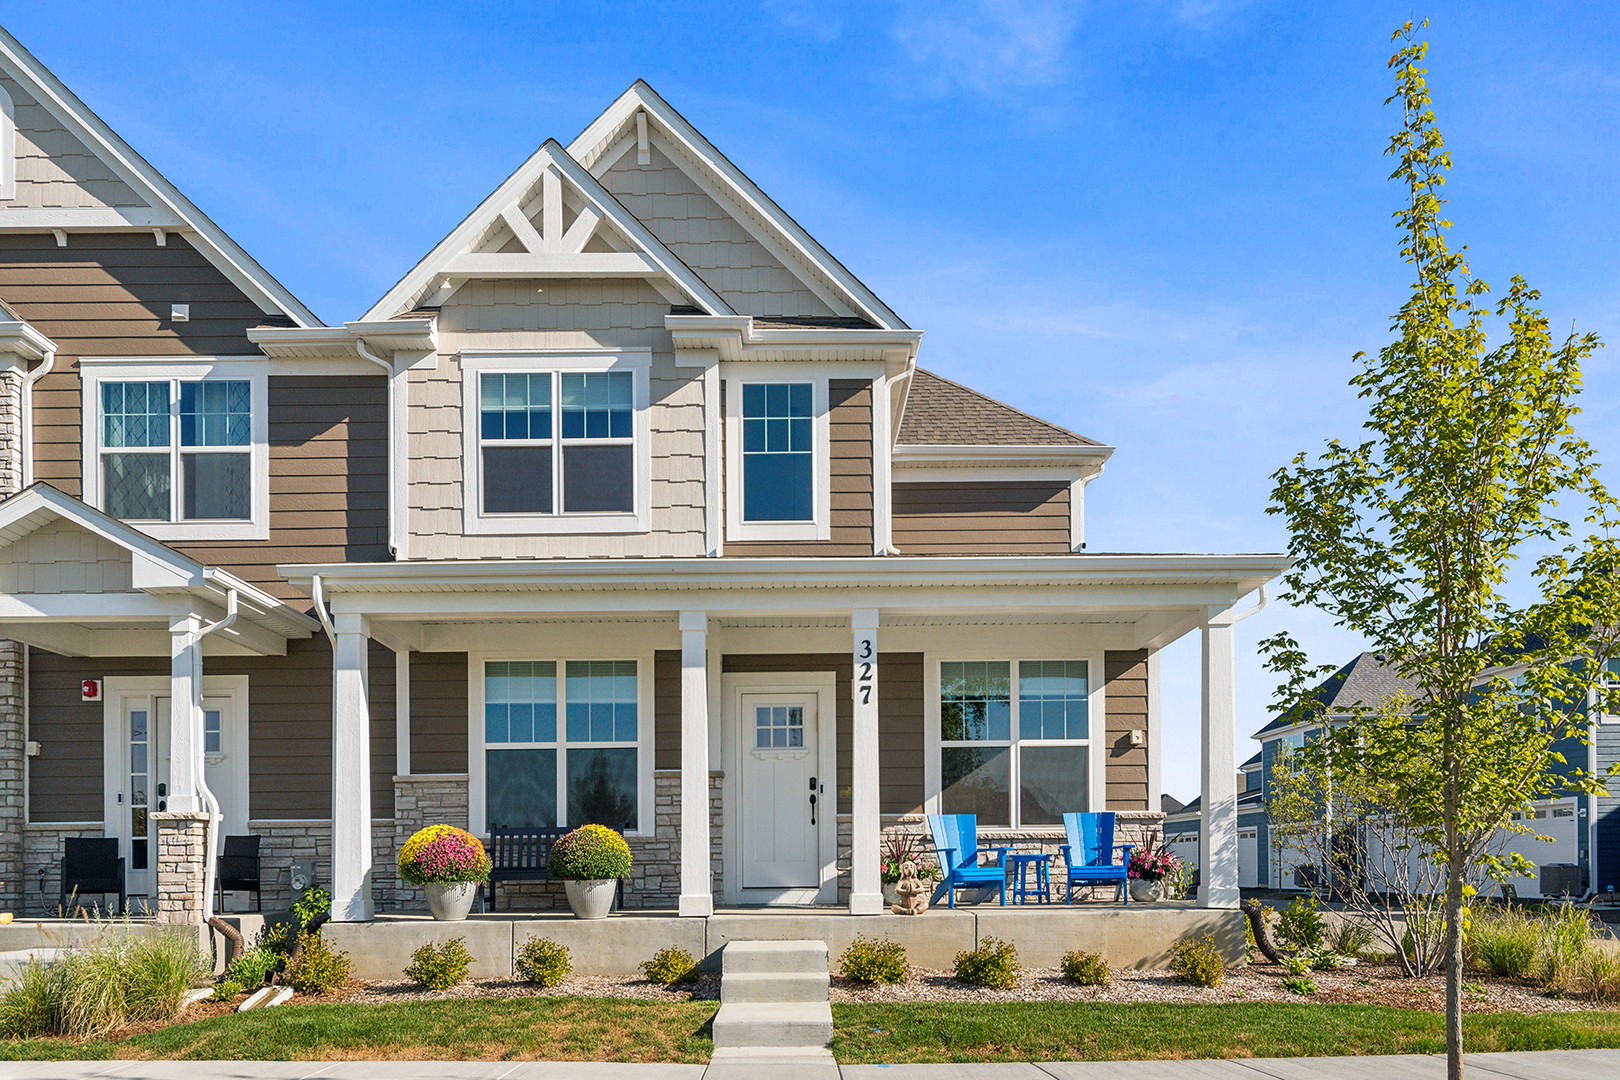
185,713
865,884
697,882
1218,852
351,773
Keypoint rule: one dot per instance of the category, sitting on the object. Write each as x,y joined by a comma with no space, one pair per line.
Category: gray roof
812,322
940,412
1367,680
1252,799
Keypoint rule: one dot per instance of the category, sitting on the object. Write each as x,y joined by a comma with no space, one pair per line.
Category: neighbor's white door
142,783
1248,858
780,773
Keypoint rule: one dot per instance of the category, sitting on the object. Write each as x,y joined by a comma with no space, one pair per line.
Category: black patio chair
92,865
238,871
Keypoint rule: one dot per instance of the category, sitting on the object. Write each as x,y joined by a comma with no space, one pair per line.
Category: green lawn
617,1030
559,1029
1054,1031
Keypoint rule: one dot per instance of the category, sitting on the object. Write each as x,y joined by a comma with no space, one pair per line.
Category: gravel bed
1261,982
705,988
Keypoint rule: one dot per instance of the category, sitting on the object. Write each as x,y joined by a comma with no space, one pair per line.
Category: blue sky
1165,225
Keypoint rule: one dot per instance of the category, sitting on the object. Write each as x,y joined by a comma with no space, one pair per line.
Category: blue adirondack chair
1089,854
956,842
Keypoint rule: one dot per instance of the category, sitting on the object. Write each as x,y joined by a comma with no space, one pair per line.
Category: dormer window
557,443
178,449
777,459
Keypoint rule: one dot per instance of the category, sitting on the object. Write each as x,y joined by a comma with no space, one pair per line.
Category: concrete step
764,987
782,957
749,1024
777,1062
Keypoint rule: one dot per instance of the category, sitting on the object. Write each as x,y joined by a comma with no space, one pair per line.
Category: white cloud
988,46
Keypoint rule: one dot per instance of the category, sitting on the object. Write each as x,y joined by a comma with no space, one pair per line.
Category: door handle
812,809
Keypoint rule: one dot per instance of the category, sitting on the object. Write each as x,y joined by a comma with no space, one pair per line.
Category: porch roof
1164,595
117,596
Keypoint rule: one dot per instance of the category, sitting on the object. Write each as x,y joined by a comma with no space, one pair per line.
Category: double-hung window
777,459
582,770
558,444
181,456
1015,757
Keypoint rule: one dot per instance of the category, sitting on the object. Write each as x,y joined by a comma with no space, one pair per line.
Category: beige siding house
628,504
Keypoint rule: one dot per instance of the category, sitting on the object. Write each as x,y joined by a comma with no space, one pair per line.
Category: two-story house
628,504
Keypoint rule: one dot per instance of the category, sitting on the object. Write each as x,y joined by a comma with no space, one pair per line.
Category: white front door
783,800
137,783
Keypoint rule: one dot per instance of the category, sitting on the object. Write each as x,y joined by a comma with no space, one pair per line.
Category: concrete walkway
1540,1065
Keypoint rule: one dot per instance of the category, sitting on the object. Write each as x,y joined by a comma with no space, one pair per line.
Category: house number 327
865,669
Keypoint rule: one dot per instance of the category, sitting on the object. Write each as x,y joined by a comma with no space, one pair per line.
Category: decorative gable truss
550,219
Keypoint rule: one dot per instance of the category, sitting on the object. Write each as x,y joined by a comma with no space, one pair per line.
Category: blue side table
1017,866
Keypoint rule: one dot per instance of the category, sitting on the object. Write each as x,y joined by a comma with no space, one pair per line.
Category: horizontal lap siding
289,730
850,475
667,709
438,712
1126,705
900,718
983,518
109,295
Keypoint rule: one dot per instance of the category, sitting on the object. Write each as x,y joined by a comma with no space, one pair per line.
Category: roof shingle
940,412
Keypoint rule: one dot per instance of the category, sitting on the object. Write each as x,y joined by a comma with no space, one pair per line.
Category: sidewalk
1539,1065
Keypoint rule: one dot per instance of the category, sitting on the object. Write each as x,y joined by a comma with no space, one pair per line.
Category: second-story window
151,472
778,452
557,443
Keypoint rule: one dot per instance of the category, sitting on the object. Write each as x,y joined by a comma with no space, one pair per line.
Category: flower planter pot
1146,892
591,899
450,902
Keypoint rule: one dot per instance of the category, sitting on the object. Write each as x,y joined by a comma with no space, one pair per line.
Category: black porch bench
519,854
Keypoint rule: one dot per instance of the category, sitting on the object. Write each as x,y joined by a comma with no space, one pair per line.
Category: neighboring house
1584,832
1182,827
628,503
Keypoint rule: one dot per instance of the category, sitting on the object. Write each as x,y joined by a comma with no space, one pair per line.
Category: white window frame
820,525
477,764
476,362
1096,776
93,371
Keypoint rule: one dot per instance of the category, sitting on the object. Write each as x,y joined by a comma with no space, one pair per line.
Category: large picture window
582,771
558,448
177,450
1014,758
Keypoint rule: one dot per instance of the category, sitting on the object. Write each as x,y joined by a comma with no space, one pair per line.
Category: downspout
320,609
393,390
211,830
29,380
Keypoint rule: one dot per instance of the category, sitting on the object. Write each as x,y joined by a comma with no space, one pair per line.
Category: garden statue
911,891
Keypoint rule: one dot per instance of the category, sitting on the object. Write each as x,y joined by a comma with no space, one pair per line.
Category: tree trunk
1454,965
1262,932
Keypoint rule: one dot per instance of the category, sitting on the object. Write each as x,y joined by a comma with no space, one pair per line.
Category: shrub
1297,964
1196,961
669,966
1300,924
224,990
542,961
1085,968
590,853
1503,941
278,938
994,964
1350,937
869,960
253,966
319,967
442,967
314,902
443,855
1299,984
1325,959
35,1001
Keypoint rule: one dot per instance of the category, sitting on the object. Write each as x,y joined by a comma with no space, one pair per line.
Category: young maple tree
1409,536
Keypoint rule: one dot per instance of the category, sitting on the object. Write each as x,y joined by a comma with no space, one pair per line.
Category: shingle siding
55,169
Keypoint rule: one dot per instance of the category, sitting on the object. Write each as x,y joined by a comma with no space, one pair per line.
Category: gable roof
605,137
939,412
1367,680
179,213
473,246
